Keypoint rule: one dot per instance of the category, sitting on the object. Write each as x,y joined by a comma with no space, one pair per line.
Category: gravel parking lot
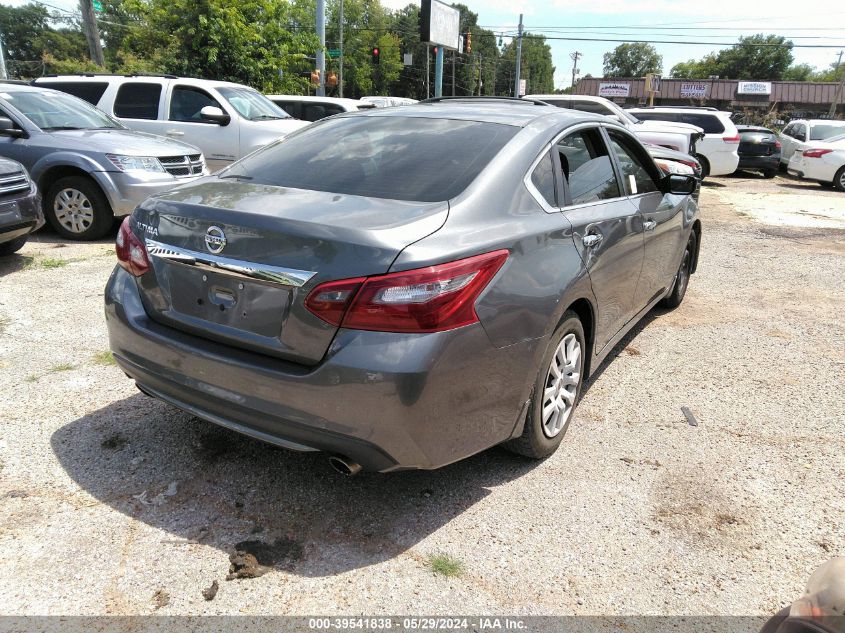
112,502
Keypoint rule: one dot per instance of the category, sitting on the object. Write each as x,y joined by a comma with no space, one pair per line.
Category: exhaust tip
344,466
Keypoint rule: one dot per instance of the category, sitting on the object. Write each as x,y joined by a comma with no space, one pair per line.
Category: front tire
679,285
77,209
839,179
13,246
556,392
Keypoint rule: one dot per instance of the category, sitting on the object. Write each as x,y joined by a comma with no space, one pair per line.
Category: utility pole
321,52
518,59
454,54
575,57
92,33
340,78
3,73
427,71
838,94
480,80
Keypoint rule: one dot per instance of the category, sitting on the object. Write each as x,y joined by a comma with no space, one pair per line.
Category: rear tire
556,392
770,173
681,282
77,209
839,179
13,246
705,166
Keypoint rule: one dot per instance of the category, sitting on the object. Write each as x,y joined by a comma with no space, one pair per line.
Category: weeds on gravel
50,262
31,378
62,367
103,358
4,323
445,565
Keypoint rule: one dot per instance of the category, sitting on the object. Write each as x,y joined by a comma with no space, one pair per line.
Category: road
115,503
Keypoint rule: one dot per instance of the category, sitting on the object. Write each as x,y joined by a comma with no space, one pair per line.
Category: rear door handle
175,133
649,225
591,240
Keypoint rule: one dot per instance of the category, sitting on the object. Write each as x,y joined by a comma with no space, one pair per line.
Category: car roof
487,110
680,110
753,128
568,98
88,78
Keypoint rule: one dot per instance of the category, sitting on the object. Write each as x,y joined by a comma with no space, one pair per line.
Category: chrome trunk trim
237,267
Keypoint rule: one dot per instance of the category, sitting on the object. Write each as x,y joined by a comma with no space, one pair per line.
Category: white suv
799,134
225,120
718,151
679,137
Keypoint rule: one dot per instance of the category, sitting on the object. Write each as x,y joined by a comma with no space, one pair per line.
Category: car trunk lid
234,261
757,144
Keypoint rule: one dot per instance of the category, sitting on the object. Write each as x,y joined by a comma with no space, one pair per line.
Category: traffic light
375,55
468,43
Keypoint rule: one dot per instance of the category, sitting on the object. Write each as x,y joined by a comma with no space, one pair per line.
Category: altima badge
215,239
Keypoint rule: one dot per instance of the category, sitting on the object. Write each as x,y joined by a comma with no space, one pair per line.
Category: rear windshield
710,123
399,158
822,131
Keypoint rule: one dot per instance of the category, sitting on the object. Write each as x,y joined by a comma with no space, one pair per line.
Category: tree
799,72
536,67
635,59
762,57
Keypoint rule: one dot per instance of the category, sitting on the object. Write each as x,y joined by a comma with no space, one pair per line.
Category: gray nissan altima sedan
403,287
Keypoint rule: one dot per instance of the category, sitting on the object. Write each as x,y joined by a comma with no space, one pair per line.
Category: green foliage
761,57
536,67
445,565
635,59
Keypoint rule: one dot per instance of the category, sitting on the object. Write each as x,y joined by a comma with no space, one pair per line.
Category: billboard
754,88
694,89
440,24
614,89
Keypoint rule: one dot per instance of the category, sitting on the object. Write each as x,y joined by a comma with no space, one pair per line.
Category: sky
812,22
703,26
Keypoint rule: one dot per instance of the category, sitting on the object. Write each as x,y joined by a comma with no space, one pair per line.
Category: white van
225,120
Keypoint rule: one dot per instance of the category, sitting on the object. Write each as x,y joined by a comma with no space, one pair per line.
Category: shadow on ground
231,488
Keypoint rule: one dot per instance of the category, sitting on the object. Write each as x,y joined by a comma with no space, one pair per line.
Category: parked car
225,120
88,167
718,151
672,162
822,161
389,102
759,150
797,136
679,137
403,288
316,108
20,207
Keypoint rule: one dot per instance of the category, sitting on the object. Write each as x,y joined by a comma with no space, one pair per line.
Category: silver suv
88,167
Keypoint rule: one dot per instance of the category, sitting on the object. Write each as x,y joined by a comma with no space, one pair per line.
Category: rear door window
393,157
708,122
291,107
591,106
657,116
137,100
586,166
186,103
543,179
90,91
637,175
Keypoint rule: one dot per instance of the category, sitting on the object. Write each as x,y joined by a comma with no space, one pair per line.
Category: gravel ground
114,503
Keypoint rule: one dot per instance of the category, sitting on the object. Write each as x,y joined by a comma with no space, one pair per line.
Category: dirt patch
211,592
252,559
213,446
114,442
161,599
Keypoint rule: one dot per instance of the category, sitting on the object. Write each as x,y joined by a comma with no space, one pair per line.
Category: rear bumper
722,163
20,216
388,401
759,162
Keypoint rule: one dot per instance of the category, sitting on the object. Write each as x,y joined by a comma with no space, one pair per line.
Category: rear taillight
428,299
731,139
816,153
778,145
131,252
690,164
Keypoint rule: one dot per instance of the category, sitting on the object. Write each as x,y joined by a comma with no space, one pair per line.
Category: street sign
408,59
522,87
98,6
334,52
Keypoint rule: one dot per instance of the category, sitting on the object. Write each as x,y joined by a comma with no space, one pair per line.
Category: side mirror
8,128
680,184
213,113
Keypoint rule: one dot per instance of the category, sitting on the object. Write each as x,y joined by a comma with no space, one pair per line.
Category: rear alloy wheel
77,209
839,179
681,281
556,392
